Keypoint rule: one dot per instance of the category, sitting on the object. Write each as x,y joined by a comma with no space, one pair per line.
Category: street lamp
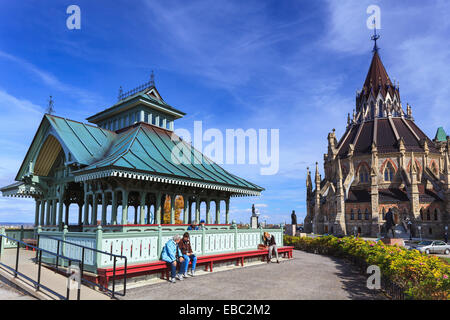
410,229
420,233
446,234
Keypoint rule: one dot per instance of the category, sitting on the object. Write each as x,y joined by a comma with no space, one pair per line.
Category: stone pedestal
254,222
290,229
393,241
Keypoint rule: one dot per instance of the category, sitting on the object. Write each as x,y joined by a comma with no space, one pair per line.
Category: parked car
432,246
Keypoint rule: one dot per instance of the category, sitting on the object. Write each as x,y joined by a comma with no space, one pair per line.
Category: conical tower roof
377,79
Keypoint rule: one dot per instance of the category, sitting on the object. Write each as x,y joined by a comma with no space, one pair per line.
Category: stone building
382,161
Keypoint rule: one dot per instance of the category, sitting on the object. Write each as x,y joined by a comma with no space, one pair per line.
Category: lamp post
446,234
410,229
354,231
420,233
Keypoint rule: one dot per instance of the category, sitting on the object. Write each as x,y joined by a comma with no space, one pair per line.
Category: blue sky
288,65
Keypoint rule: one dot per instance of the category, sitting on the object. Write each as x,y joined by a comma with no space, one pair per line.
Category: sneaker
185,275
192,273
172,280
179,277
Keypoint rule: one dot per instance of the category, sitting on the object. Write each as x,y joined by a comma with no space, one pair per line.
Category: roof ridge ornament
50,109
375,37
142,87
152,79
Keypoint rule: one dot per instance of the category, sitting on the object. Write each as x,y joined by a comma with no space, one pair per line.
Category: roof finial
375,36
120,93
50,109
152,79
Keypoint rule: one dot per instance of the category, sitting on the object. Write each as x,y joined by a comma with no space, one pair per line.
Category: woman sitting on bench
186,250
269,241
171,254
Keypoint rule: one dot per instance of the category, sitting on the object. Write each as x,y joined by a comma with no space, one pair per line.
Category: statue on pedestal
254,218
391,221
294,218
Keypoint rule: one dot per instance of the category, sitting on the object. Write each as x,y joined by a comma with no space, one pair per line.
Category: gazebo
128,156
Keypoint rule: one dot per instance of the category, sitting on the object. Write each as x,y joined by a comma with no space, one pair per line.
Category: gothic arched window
435,215
428,215
366,214
383,213
363,175
359,214
352,215
380,109
388,172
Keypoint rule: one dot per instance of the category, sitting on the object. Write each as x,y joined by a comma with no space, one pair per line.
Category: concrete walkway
49,278
307,276
8,291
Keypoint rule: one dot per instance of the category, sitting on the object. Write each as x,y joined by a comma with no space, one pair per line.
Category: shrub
422,276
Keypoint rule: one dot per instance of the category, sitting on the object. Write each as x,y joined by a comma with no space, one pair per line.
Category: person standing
269,240
171,254
188,255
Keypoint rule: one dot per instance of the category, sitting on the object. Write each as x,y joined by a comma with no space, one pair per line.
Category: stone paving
307,276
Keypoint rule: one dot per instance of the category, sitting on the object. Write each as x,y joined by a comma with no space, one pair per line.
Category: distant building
382,161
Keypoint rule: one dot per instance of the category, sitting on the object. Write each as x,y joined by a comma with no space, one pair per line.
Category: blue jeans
193,259
173,267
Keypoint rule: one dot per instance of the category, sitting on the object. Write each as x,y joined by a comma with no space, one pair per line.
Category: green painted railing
143,244
18,234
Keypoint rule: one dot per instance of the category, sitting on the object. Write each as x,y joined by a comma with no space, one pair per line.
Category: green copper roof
141,150
148,149
440,135
87,143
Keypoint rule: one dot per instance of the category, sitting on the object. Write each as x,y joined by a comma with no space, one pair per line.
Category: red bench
31,242
105,274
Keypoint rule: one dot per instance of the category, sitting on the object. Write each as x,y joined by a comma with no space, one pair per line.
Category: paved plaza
306,276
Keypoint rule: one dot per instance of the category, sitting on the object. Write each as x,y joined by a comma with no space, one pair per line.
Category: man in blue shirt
172,254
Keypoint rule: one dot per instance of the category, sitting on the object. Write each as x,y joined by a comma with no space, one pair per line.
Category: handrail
115,256
39,251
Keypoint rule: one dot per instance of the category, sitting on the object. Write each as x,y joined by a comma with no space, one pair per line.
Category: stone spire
414,190
375,226
447,170
317,201
340,202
